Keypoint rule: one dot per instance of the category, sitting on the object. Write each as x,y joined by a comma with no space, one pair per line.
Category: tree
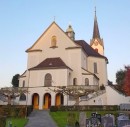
15,80
75,91
110,82
126,85
10,93
120,75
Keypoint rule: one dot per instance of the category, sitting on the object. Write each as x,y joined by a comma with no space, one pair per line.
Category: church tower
96,42
70,32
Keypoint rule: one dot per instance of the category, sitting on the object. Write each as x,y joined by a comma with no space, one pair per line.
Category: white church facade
57,59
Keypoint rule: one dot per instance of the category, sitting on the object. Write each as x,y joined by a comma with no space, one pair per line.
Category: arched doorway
59,99
35,101
47,101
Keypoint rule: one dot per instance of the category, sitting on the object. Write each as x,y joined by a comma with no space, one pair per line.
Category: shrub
2,121
85,108
54,108
29,109
15,110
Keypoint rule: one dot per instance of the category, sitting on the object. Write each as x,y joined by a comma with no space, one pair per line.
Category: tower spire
96,42
96,33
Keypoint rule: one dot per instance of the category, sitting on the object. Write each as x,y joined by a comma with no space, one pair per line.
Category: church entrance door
59,99
35,101
47,101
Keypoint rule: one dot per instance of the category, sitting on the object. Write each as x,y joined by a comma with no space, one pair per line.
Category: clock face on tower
95,42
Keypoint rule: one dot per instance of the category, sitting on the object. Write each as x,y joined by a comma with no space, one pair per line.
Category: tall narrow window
86,81
53,41
75,81
95,67
48,80
23,83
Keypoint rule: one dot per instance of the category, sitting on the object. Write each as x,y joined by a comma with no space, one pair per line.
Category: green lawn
18,122
61,117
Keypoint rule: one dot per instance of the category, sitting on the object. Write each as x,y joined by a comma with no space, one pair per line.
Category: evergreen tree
15,80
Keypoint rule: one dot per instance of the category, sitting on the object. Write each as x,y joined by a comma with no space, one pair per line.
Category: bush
2,121
15,110
102,87
29,110
53,108
85,108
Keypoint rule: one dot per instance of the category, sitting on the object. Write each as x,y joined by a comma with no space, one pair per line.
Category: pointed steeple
96,42
96,33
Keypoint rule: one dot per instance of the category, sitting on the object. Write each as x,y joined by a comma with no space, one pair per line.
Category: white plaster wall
114,98
33,59
44,44
83,60
74,62
24,78
101,69
96,81
71,57
98,100
59,77
90,77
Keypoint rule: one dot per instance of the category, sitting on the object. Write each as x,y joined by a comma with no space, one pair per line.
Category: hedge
2,121
85,108
15,110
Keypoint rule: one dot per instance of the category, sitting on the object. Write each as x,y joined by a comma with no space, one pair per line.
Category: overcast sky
23,21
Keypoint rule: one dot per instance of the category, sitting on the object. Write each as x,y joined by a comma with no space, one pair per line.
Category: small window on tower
53,41
96,50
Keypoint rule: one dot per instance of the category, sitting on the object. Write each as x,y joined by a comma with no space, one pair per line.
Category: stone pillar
82,119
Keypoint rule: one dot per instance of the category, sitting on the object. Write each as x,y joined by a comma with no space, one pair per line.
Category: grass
60,117
18,122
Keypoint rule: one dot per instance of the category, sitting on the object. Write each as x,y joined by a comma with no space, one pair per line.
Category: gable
62,40
51,63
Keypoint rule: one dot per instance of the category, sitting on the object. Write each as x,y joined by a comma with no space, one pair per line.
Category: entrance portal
47,101
35,101
59,99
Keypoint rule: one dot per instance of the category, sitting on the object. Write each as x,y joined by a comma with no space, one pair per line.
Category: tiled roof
88,49
51,63
118,89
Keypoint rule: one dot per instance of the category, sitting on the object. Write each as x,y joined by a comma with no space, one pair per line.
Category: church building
57,59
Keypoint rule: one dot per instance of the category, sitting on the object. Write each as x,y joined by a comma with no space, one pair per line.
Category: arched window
22,97
95,67
23,83
48,80
53,41
86,81
75,81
